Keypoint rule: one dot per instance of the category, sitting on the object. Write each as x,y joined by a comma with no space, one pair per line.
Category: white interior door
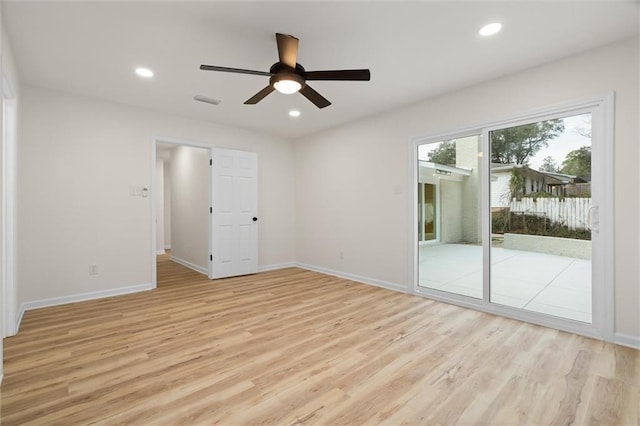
234,213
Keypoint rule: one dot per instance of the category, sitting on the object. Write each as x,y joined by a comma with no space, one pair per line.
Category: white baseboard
627,340
160,252
364,280
190,265
54,301
19,319
276,266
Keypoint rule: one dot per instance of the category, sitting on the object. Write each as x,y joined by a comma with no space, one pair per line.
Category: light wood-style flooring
294,347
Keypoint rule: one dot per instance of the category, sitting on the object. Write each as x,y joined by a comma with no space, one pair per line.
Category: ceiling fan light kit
286,83
287,76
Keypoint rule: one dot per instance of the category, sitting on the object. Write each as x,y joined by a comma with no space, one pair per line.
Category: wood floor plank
294,347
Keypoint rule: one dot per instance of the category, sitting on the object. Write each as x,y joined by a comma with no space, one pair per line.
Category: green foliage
535,195
444,154
515,145
517,223
517,184
549,165
578,163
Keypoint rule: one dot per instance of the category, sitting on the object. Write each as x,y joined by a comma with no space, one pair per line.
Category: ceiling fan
287,76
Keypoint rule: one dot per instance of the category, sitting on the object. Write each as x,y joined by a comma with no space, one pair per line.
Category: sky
568,141
558,148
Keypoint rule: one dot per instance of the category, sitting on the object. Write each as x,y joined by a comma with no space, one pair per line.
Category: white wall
450,211
190,201
347,178
501,189
77,159
160,178
467,157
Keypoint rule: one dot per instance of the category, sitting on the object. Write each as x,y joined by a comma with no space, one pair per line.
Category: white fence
572,212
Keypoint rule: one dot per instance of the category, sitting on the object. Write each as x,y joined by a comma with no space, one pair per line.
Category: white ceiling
414,50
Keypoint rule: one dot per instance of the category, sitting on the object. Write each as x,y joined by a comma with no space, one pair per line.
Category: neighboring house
449,197
570,185
533,181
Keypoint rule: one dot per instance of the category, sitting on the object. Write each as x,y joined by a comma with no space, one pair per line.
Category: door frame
155,140
9,206
603,314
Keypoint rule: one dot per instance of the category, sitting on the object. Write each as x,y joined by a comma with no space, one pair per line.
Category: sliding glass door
541,246
449,231
510,219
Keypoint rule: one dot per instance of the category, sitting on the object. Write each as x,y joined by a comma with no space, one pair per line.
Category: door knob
255,219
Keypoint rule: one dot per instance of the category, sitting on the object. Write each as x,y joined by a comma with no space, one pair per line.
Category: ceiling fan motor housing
281,72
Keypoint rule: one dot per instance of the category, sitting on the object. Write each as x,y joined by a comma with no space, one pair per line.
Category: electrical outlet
93,269
341,255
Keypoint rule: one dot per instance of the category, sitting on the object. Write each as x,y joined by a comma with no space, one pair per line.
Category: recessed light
294,113
144,72
490,29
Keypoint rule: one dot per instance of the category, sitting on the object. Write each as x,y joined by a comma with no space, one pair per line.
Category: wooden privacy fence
572,212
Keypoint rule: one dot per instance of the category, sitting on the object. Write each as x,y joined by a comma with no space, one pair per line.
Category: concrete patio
550,284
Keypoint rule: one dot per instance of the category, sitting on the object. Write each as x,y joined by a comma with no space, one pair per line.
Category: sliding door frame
602,326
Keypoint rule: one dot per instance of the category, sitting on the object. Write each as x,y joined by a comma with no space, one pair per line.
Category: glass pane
540,205
428,219
449,228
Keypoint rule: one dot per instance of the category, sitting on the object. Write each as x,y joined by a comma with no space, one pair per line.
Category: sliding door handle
594,219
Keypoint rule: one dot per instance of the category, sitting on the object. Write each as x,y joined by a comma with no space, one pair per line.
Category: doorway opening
211,222
428,216
182,199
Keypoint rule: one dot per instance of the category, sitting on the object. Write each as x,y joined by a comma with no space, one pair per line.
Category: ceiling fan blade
259,96
344,75
315,97
287,49
235,70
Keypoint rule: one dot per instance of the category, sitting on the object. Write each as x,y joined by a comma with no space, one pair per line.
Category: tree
444,154
549,165
515,145
578,163
585,129
517,184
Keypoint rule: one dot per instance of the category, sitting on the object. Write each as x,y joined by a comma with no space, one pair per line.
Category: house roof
442,171
550,178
